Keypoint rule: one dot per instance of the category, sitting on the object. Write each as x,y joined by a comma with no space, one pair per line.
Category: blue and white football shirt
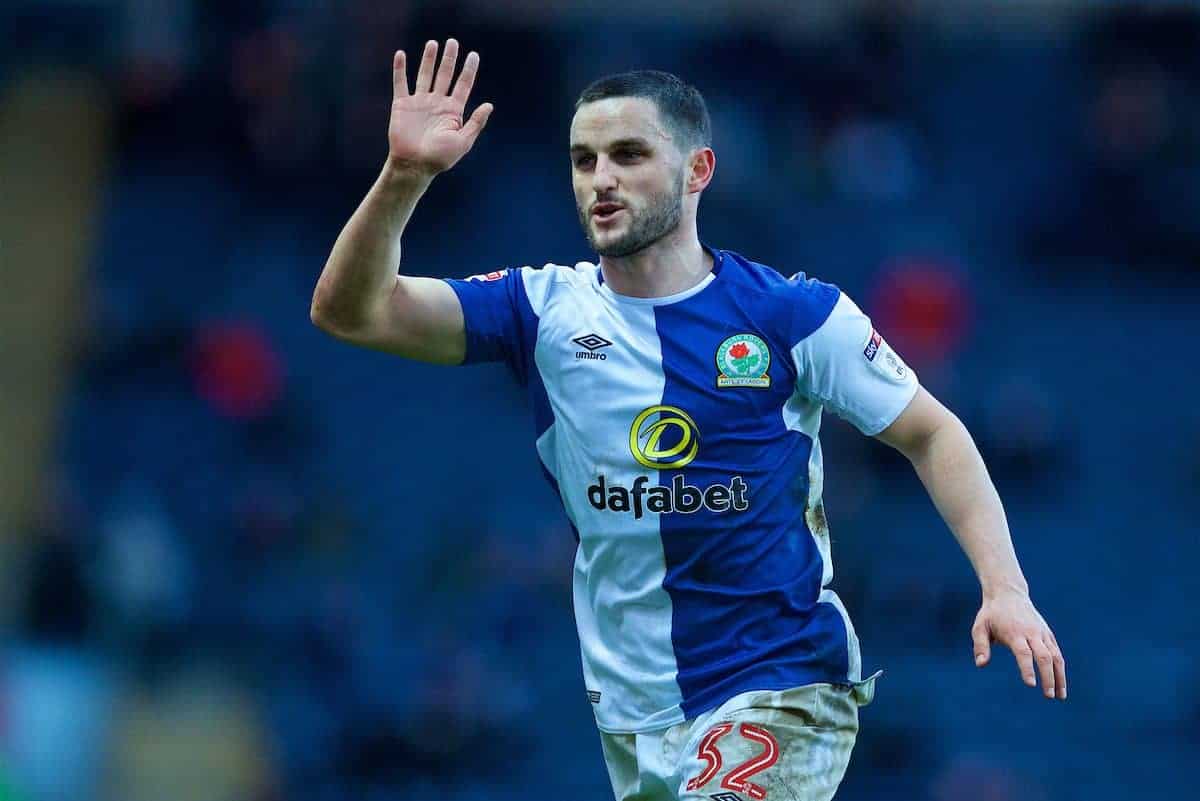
681,434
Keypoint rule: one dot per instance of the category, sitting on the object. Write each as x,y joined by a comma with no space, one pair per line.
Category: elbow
951,426
321,316
950,433
337,321
317,315
923,424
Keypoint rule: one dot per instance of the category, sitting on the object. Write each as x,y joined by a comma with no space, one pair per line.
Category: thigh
792,745
620,757
635,767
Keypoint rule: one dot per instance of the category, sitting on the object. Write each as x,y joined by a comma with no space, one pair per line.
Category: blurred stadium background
240,561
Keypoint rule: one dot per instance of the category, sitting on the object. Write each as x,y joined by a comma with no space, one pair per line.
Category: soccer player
677,392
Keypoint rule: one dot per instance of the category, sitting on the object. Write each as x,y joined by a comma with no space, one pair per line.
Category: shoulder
538,286
553,282
795,304
548,273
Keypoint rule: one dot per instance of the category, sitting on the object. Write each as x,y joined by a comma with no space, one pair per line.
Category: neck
672,264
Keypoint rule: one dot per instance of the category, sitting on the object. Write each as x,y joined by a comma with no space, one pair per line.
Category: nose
603,179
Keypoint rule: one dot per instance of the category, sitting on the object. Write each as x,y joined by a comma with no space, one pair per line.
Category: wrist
995,588
406,175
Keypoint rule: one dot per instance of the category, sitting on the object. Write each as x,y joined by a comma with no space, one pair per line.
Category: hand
426,132
1010,618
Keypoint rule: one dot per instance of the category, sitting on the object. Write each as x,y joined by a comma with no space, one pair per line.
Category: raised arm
950,467
359,297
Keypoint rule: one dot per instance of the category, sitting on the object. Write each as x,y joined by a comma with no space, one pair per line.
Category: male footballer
677,392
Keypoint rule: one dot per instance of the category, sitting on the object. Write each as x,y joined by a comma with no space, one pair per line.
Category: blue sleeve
812,302
500,323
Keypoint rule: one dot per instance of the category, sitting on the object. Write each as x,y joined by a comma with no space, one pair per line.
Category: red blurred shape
236,370
922,308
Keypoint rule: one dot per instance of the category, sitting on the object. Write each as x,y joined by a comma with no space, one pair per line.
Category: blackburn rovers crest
742,361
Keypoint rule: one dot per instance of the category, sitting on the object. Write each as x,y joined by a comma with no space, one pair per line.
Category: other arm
952,470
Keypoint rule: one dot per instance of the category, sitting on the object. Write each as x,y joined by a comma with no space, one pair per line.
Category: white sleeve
848,367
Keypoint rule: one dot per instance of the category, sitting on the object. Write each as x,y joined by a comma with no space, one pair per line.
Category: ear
699,170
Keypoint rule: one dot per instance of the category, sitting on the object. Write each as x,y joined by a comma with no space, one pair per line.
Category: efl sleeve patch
495,275
849,367
888,364
872,345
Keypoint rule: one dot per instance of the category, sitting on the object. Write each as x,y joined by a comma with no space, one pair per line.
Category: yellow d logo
646,433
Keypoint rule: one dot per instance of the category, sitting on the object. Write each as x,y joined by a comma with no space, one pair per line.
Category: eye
628,153
585,160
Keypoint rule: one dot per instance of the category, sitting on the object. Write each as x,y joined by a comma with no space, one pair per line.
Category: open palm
426,131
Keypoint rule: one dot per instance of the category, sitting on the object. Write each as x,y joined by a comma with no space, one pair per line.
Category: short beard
661,217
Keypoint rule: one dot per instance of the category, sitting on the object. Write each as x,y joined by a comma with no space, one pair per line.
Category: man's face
627,173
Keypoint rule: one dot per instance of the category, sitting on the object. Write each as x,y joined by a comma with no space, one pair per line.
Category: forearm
954,474
361,269
949,464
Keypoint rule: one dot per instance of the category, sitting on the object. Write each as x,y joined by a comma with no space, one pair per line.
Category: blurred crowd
266,566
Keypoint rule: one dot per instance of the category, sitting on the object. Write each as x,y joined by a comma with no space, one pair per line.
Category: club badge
742,361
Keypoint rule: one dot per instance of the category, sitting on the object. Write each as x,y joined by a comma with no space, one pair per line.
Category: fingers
437,82
982,642
1031,641
446,69
1045,664
425,73
1060,669
1051,668
399,75
1024,656
474,126
466,78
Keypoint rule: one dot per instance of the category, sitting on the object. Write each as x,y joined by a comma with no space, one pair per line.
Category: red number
737,779
709,753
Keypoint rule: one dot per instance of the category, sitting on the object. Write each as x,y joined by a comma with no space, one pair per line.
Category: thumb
479,117
982,640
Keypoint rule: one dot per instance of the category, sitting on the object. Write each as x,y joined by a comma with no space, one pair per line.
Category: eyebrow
635,142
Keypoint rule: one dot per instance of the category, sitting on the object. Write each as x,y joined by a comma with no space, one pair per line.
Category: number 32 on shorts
738,778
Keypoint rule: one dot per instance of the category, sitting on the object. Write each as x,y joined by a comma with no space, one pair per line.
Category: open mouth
606,212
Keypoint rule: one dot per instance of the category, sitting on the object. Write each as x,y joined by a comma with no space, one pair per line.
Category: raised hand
426,132
1010,618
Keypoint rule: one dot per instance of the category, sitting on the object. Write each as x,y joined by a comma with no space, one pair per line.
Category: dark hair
681,107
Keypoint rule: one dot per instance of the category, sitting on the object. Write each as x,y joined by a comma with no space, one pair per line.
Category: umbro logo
592,343
725,797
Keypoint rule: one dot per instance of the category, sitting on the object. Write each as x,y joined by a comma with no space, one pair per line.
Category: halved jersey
681,434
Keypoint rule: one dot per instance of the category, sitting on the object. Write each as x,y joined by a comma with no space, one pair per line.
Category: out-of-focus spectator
236,370
923,306
145,574
57,690
60,604
194,737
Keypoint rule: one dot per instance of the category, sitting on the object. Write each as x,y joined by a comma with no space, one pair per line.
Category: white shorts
787,745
